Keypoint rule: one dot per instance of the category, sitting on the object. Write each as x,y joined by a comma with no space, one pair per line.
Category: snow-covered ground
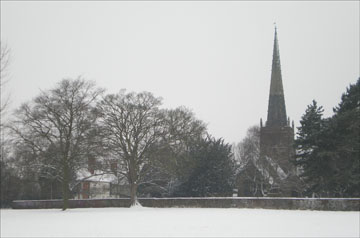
160,222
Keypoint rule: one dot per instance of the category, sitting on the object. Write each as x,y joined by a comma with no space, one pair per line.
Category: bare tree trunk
65,186
133,183
133,195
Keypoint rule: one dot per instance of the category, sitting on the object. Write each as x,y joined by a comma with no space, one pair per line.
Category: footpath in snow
179,222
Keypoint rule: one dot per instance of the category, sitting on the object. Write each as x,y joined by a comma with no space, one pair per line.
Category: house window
85,191
113,167
114,189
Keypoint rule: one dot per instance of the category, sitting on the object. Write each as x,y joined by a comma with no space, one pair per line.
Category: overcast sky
212,57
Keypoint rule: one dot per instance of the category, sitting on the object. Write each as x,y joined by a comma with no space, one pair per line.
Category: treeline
158,151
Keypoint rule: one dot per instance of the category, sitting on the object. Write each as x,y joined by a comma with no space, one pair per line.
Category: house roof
97,176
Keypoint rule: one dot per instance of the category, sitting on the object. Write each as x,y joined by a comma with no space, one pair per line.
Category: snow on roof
98,176
280,172
107,178
268,168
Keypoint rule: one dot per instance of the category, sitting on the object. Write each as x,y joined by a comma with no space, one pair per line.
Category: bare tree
169,161
4,98
247,154
60,124
133,123
4,66
4,102
182,128
249,148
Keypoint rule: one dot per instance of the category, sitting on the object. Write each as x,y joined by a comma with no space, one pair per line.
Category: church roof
269,169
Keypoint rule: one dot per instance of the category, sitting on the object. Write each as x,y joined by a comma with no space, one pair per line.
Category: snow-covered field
180,222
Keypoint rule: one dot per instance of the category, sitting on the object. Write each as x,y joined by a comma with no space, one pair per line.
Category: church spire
276,109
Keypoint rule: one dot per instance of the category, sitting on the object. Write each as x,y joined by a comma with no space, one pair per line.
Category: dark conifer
328,150
214,170
309,152
346,135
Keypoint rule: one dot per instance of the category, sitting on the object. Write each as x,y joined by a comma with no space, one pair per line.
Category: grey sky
212,57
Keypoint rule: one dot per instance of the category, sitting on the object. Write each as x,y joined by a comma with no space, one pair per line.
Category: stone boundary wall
326,204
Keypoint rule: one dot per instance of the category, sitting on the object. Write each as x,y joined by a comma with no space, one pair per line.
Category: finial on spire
275,27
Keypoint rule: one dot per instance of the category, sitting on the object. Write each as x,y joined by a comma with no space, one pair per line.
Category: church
277,136
273,173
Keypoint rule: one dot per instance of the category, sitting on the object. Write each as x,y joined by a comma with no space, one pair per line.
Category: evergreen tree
312,157
328,150
346,135
214,170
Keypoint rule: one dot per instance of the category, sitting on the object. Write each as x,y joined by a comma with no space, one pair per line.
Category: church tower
277,136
